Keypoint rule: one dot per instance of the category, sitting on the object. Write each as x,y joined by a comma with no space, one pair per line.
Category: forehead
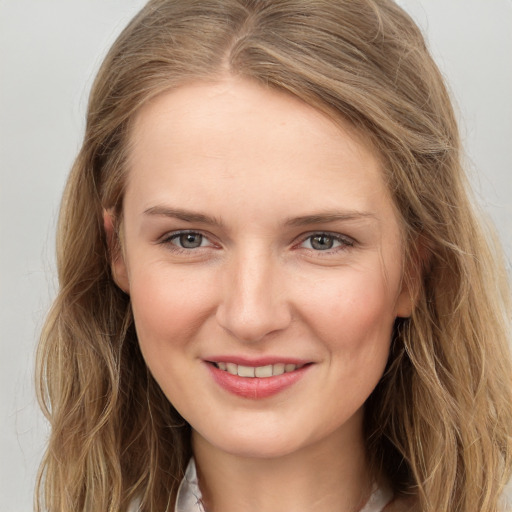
239,135
240,105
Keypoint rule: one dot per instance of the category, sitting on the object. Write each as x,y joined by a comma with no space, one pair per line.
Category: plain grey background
49,52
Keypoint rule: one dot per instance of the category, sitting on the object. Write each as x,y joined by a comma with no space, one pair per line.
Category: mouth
256,379
266,371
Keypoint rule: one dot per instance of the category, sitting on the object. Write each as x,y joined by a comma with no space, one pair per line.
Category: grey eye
189,240
322,242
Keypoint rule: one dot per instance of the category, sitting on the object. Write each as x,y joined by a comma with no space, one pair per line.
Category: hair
438,425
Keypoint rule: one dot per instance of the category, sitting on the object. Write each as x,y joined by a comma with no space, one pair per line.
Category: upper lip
258,361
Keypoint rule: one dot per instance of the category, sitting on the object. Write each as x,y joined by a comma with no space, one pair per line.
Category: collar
189,495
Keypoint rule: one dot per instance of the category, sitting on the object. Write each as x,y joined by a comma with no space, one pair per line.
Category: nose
254,302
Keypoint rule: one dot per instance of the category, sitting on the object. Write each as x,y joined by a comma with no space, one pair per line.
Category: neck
329,475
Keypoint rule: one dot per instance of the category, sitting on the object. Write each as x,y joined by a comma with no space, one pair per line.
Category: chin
259,449
259,443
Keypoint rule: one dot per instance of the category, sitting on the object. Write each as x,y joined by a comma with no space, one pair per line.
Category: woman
271,274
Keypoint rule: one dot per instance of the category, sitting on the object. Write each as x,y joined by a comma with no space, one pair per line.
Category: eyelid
345,241
168,238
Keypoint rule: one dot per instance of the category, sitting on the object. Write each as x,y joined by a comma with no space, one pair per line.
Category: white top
189,495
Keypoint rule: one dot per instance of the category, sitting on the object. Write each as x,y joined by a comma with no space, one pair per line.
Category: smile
259,380
269,370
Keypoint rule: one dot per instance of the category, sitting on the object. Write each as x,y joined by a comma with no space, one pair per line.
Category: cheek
169,309
168,304
353,312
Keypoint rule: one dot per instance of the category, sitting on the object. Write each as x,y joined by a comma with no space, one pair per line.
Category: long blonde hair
438,424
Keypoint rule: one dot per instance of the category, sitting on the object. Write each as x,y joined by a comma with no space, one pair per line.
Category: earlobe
117,263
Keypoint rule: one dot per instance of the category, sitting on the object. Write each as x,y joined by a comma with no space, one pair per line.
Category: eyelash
344,242
168,241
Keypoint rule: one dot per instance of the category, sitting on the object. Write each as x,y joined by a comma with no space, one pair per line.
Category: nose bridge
253,302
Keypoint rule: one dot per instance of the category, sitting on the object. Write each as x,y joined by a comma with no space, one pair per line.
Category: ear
406,299
117,261
414,268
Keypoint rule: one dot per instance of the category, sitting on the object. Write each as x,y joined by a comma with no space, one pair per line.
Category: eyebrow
327,217
320,218
185,215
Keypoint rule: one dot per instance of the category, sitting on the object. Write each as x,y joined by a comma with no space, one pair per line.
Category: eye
326,242
187,240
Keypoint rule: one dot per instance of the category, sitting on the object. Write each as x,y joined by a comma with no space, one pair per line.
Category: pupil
191,240
322,242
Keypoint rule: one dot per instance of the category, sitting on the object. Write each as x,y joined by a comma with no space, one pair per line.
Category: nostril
253,323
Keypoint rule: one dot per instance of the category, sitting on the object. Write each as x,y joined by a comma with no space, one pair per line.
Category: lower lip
256,387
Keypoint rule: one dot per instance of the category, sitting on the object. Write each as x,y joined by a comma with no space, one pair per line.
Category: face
263,258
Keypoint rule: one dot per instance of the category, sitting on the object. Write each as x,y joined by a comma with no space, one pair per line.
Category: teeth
278,369
245,371
263,371
270,370
232,368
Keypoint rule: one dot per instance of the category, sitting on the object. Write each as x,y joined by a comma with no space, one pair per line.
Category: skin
257,174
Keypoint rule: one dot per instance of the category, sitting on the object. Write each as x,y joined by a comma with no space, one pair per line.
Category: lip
256,361
256,388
